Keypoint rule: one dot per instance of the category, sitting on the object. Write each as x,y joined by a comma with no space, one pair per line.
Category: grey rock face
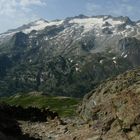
67,57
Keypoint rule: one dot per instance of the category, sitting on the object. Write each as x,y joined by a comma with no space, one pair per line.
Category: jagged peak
98,20
39,21
104,18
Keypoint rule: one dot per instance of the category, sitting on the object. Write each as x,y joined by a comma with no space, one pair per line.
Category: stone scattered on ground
54,130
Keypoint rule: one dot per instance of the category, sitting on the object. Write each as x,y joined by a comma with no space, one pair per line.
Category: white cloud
25,3
92,7
113,7
17,12
13,6
125,0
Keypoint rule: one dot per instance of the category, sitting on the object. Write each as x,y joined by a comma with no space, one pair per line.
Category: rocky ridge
113,108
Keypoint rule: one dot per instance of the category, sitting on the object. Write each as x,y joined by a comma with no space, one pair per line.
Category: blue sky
14,13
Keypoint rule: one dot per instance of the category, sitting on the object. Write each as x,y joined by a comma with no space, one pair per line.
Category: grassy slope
63,105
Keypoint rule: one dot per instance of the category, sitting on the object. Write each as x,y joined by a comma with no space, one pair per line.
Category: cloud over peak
16,12
8,7
113,7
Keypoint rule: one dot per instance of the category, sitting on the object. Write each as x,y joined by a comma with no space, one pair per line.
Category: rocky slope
129,81
112,109
54,56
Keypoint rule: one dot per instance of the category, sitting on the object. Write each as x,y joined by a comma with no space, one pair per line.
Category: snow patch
46,38
125,56
30,60
77,69
101,61
114,62
40,25
114,22
122,54
7,34
88,23
113,58
70,60
128,27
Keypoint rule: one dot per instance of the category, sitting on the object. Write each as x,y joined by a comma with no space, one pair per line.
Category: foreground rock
113,109
72,129
129,81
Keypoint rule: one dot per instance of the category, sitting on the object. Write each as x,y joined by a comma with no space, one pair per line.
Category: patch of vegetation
65,106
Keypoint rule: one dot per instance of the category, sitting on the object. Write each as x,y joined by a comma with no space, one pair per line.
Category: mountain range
67,57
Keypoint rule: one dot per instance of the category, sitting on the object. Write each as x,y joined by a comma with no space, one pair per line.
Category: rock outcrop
113,109
128,81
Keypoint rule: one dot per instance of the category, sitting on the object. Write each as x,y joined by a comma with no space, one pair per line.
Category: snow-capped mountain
103,28
118,25
36,25
56,55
